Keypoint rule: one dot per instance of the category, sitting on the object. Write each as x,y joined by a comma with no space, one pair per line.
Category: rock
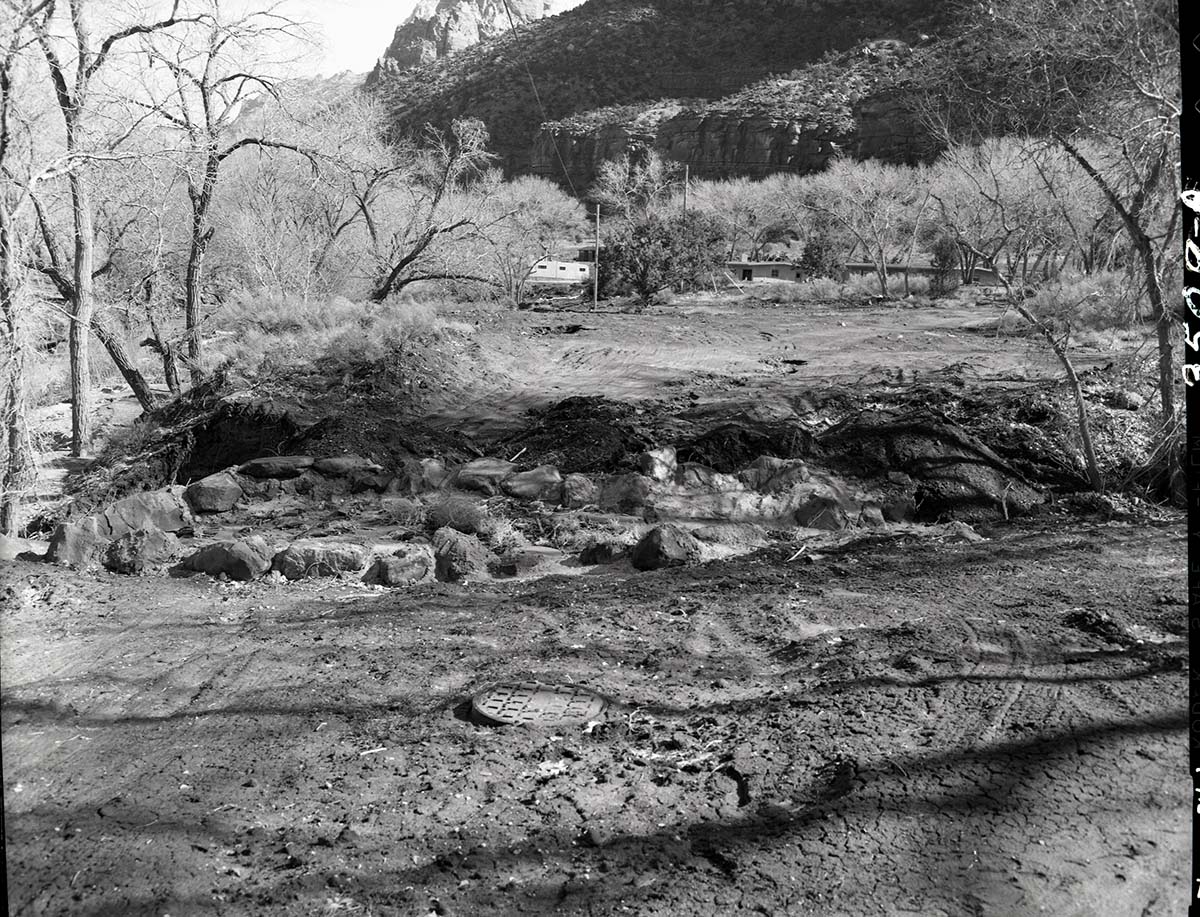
437,28
319,558
276,466
701,477
665,546
484,475
529,558
626,493
872,517
81,542
413,563
363,481
1123,400
731,534
658,464
457,512
217,493
822,511
958,532
341,466
76,543
769,474
134,551
160,509
604,552
433,474
459,556
579,490
542,483
240,560
736,506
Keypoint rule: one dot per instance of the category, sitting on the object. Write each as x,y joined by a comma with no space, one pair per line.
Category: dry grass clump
273,331
458,512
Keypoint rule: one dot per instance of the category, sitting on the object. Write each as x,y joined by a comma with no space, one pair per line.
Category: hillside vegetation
618,53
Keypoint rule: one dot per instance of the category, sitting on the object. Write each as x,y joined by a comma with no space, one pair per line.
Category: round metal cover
538,704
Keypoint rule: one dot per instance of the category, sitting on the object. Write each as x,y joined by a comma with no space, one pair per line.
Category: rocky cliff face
438,28
860,104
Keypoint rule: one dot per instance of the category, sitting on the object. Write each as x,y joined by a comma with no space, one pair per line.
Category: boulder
364,481
542,483
658,464
700,477
604,552
1123,400
731,534
626,493
341,466
665,546
134,551
459,556
527,559
217,493
822,511
872,517
579,490
769,474
239,560
319,558
276,466
160,509
432,474
413,563
484,475
76,543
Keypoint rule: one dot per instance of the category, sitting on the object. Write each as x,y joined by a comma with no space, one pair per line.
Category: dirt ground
889,723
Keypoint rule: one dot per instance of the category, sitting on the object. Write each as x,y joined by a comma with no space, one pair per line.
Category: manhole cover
540,704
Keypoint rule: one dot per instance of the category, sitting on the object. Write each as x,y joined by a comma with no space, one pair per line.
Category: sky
355,32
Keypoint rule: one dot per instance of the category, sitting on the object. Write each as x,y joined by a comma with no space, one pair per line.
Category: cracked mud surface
900,727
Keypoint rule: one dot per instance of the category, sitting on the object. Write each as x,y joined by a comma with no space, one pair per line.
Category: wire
538,98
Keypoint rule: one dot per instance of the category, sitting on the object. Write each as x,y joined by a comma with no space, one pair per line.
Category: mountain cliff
730,86
438,28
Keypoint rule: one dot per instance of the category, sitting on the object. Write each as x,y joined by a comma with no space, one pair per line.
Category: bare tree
428,208
531,218
217,65
1078,72
875,203
633,187
753,213
16,465
74,62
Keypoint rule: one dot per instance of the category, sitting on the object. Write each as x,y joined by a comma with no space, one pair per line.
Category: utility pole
596,264
687,169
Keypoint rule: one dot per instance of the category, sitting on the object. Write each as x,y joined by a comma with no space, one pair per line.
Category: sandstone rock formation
438,28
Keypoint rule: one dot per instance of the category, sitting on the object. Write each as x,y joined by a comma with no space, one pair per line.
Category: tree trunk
82,304
15,470
120,357
191,307
1085,430
201,236
1176,480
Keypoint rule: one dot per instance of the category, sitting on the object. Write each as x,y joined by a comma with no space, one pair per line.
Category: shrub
682,252
462,513
274,331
